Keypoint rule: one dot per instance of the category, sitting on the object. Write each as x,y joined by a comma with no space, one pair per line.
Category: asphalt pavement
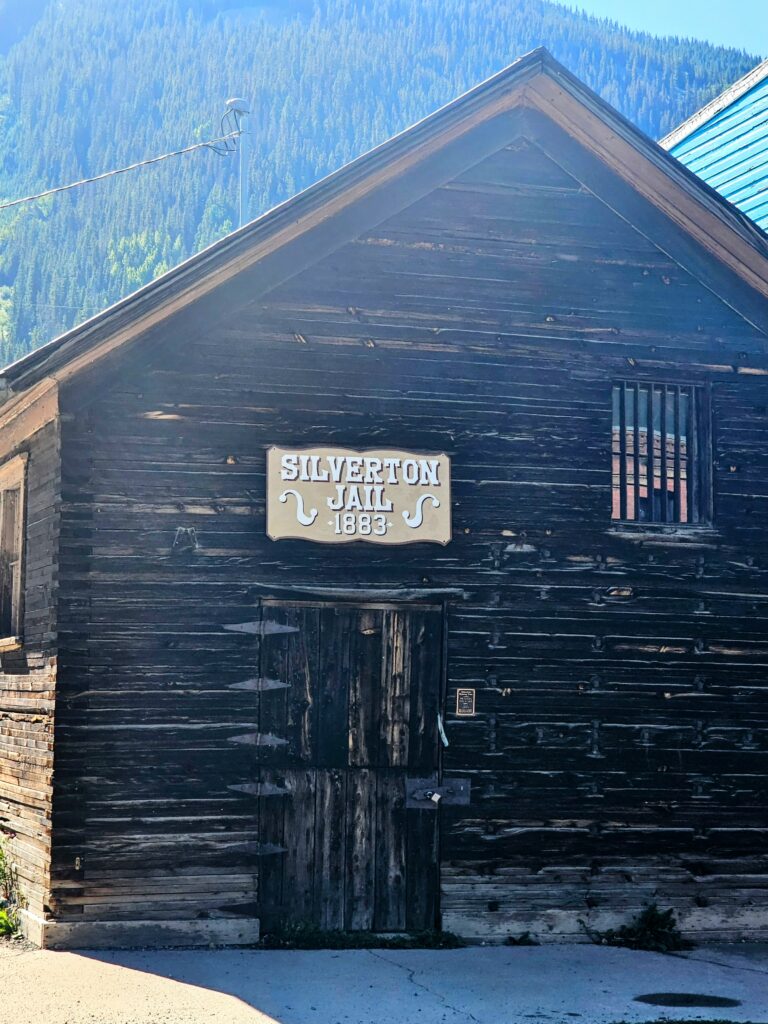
551,984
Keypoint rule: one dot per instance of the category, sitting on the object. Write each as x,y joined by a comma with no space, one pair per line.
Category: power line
52,305
211,144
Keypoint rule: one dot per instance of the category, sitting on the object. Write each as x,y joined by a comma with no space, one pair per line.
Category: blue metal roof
726,144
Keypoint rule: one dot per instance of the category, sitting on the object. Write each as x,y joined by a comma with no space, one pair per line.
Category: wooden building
726,144
520,330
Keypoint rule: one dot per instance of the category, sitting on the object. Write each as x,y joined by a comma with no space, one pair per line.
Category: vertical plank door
350,713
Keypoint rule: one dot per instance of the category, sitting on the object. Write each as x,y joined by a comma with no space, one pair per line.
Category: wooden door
348,711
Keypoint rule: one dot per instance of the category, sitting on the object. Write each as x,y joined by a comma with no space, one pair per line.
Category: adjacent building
726,144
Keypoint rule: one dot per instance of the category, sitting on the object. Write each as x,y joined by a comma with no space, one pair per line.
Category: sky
739,23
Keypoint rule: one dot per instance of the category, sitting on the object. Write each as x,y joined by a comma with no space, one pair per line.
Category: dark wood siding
619,749
28,681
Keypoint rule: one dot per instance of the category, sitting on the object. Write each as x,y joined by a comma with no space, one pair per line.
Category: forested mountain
86,86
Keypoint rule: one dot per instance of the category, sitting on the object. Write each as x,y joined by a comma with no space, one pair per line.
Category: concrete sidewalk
479,985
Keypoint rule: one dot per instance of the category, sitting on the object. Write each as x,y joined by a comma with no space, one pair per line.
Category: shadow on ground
480,984
476,985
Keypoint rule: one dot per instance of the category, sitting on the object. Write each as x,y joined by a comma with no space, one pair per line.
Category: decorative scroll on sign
334,495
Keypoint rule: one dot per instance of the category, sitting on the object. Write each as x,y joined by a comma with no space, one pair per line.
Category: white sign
335,495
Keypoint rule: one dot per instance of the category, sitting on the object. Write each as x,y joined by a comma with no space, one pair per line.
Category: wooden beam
24,415
652,180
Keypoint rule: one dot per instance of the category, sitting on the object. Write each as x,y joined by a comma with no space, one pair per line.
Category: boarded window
11,546
658,450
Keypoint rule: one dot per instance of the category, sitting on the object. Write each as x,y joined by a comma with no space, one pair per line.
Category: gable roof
726,144
373,183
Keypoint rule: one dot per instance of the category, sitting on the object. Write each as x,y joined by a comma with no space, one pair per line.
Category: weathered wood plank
361,851
365,659
332,687
299,881
389,912
330,844
395,692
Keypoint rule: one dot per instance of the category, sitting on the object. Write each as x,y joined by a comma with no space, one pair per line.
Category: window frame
13,476
702,458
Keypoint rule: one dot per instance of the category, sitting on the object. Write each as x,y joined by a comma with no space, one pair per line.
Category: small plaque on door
465,703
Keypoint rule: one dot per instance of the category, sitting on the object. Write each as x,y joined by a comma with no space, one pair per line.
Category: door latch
426,794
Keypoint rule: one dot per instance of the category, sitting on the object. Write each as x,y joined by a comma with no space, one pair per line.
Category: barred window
659,449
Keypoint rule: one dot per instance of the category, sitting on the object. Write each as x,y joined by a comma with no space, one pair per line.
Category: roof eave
716,106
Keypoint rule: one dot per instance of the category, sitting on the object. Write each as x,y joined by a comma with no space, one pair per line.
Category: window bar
663,455
637,451
650,442
692,461
677,480
623,451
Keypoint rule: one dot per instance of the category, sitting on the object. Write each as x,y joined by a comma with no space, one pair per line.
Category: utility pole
241,111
